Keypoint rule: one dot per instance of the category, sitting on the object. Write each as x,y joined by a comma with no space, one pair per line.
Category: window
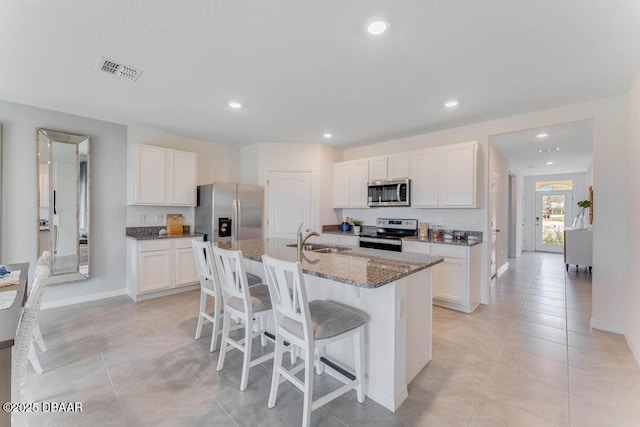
554,186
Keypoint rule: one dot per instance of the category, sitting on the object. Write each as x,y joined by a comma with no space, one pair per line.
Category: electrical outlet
142,218
159,218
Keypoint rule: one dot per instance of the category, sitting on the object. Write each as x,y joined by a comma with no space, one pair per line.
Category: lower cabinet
456,280
338,239
160,267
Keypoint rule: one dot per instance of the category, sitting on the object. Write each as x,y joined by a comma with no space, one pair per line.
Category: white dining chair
249,305
23,347
309,326
45,259
209,287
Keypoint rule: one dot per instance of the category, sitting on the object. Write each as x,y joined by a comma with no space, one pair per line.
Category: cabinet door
341,179
186,269
359,178
149,175
425,178
450,280
378,168
348,240
417,247
398,166
459,175
182,178
154,271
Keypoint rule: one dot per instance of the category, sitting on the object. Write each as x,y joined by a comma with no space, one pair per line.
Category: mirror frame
70,138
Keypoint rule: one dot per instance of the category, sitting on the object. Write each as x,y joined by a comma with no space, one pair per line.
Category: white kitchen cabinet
161,177
338,239
359,179
182,178
341,184
378,168
350,181
160,267
456,281
417,247
348,240
398,166
425,178
458,177
394,166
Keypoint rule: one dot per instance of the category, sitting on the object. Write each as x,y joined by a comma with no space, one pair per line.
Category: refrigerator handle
237,215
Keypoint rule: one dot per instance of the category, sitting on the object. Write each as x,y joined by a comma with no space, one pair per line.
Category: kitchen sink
322,249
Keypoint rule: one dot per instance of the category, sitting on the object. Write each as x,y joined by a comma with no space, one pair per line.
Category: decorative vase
356,229
578,222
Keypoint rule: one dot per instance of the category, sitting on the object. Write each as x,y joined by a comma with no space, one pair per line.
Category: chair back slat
233,276
207,271
288,292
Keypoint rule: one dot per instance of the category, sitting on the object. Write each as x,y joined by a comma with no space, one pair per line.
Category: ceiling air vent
120,70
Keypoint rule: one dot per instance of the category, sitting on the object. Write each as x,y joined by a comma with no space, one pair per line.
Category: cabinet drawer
417,247
186,243
154,245
449,251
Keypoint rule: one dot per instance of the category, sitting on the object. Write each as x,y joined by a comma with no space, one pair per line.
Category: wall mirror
64,202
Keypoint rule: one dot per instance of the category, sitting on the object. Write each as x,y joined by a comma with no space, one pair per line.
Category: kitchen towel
7,299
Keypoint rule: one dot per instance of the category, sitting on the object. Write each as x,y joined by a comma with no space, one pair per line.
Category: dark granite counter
454,242
361,267
151,233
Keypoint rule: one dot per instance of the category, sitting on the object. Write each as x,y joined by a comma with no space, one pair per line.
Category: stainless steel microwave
396,192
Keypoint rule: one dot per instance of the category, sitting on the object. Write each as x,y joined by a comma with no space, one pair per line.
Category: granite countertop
462,242
454,242
156,236
361,267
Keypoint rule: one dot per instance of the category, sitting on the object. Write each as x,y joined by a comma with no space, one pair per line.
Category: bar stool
209,287
309,326
249,305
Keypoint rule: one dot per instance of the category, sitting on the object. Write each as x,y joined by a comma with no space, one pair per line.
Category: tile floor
528,359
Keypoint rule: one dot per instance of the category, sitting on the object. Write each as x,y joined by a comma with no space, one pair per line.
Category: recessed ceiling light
557,148
451,103
377,26
327,135
542,135
549,163
235,105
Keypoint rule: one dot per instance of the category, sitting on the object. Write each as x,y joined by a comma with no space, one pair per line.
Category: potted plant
356,226
579,222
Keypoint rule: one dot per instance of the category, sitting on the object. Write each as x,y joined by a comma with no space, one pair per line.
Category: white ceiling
522,149
305,67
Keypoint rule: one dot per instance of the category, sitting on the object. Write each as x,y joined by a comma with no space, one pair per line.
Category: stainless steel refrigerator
227,212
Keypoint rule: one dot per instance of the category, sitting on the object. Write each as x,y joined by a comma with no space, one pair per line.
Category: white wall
258,159
531,212
216,162
610,129
632,295
500,166
108,196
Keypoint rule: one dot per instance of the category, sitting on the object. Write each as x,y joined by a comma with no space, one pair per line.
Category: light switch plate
142,218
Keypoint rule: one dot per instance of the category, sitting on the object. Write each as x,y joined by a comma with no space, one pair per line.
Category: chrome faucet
302,240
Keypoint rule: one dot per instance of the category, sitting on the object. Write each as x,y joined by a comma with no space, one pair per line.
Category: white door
553,214
289,203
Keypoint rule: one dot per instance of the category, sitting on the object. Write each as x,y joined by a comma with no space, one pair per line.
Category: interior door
289,203
553,214
494,222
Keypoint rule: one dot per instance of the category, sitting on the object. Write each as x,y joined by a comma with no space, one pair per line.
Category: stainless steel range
389,232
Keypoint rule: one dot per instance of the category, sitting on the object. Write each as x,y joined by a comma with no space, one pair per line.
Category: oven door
383,244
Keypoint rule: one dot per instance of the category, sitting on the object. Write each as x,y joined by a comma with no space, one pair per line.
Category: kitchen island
393,291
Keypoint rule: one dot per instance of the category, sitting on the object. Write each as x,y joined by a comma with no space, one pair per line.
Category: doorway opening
554,202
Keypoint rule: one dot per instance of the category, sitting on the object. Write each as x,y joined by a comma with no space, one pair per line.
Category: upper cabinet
350,184
159,176
394,166
441,177
444,176
459,175
425,179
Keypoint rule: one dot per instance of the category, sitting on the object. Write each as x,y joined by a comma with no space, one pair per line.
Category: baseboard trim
84,298
606,327
504,268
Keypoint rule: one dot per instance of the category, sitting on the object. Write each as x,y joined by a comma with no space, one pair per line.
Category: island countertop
361,267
